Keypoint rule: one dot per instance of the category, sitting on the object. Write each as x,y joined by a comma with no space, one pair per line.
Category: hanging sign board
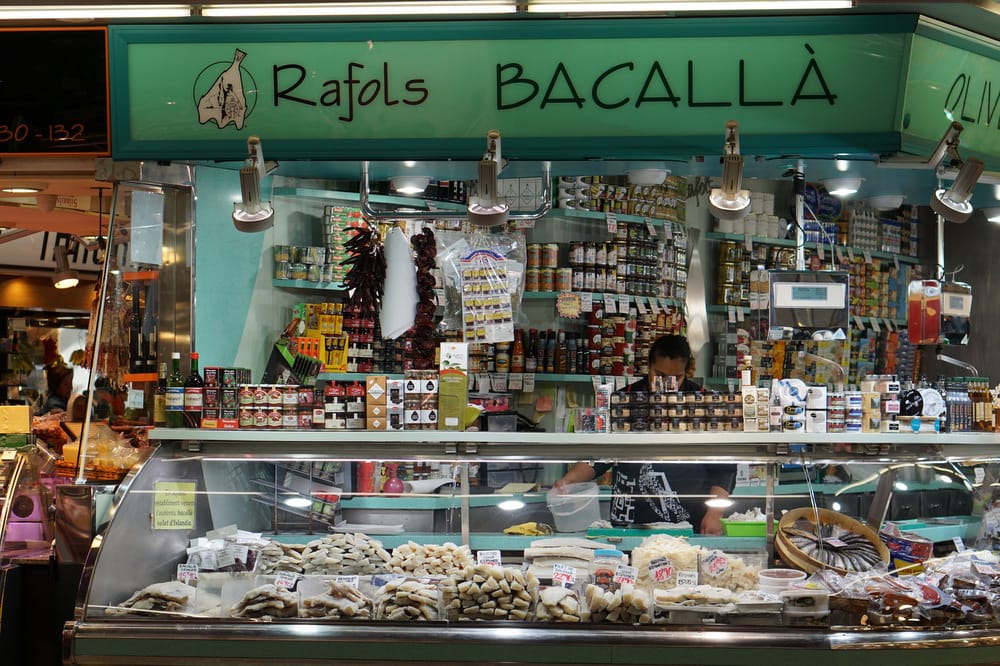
37,250
555,89
54,91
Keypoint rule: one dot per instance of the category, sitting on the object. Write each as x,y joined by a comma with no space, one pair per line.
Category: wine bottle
160,398
194,399
175,393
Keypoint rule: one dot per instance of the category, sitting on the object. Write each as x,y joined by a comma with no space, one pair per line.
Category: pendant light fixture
485,209
730,202
64,276
252,213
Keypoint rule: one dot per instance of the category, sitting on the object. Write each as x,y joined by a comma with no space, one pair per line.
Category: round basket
793,555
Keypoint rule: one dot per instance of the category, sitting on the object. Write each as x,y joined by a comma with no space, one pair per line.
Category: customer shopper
646,493
59,379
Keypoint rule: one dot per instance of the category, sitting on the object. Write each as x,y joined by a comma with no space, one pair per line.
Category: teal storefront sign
555,89
948,82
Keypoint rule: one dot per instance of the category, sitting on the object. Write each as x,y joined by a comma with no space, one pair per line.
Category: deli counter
315,568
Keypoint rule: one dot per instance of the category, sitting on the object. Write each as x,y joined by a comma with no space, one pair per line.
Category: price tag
820,252
285,580
739,315
654,308
959,544
834,542
661,569
716,563
612,221
860,324
524,224
731,312
241,552
668,230
596,380
187,573
225,558
586,302
625,574
748,242
563,574
664,304
875,325
620,382
623,303
850,254
515,381
350,581
499,381
640,305
979,474
483,381
687,578
529,382
868,257
609,304
650,229
895,262
489,558
980,566
135,399
891,406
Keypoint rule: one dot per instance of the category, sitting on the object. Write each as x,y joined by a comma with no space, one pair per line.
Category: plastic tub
575,506
775,581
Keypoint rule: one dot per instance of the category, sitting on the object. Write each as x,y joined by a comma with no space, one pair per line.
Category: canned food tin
275,395
314,272
546,279
601,254
531,279
589,279
306,395
259,395
282,270
564,279
299,271
289,396
245,395
550,255
728,272
576,254
246,419
534,255
577,280
260,417
282,253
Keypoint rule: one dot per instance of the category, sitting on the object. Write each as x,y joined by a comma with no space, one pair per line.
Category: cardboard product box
229,397
210,397
411,419
453,385
376,389
212,375
229,418
378,423
376,412
395,419
906,549
395,391
210,418
15,419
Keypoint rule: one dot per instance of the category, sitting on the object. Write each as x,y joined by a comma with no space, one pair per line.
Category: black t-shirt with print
640,493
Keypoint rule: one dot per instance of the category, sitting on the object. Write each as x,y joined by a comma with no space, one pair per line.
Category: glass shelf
308,284
784,242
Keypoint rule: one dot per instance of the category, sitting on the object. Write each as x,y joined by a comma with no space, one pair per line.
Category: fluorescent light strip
69,12
360,9
583,7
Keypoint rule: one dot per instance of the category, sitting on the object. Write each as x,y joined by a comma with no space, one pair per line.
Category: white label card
285,580
612,221
687,578
959,544
563,574
731,312
187,573
490,558
483,381
850,254
875,325
640,305
623,302
351,581
661,569
664,304
586,302
820,252
515,381
748,242
650,229
654,307
499,381
620,382
895,262
135,399
609,304
716,563
868,257
739,315
625,574
529,382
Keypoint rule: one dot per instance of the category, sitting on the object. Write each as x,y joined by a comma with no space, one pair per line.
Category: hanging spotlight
409,184
947,144
729,202
252,213
953,204
485,209
64,276
842,187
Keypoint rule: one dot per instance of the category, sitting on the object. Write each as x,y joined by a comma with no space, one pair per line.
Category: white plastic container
575,506
774,581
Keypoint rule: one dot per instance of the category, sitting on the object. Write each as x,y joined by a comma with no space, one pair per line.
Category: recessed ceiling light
410,184
842,187
23,188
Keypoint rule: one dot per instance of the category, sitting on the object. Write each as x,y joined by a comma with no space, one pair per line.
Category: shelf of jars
784,242
539,377
863,323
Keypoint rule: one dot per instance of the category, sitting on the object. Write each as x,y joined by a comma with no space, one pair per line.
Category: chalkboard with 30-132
54,91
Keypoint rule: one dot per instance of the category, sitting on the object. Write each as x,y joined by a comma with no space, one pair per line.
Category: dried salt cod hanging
487,310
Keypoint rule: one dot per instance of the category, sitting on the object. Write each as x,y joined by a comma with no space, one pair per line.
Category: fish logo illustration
225,93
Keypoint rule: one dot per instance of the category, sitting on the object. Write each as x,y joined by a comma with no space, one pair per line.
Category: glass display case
291,546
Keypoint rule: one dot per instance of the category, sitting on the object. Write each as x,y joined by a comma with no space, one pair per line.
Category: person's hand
559,486
711,523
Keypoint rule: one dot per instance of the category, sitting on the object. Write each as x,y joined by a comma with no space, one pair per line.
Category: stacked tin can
674,411
274,406
344,406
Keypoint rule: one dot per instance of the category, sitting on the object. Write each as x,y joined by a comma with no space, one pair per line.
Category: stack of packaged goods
613,194
420,400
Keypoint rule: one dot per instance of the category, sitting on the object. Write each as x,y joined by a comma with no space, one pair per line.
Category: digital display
54,91
809,293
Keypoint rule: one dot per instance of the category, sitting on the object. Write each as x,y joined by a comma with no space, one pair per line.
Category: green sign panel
313,91
946,83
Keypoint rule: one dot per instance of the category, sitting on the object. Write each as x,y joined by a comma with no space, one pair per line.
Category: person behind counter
59,379
646,493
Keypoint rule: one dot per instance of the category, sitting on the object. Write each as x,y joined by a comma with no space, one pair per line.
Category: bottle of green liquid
175,393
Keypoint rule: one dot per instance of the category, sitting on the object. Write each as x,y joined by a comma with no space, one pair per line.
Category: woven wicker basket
792,555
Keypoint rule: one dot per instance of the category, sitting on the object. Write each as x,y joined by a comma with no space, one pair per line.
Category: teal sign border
804,139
